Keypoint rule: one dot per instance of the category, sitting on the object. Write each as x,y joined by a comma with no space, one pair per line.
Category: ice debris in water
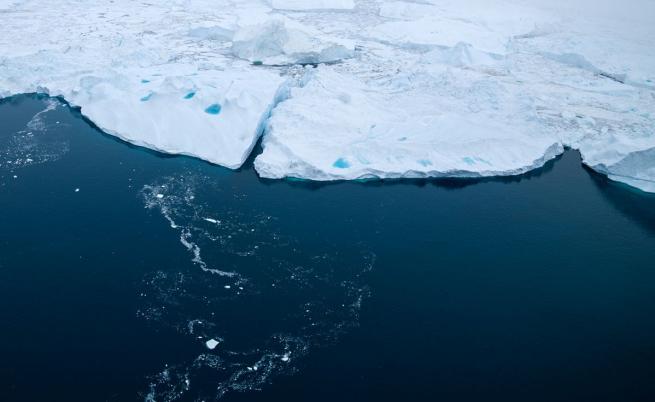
327,78
38,142
323,290
211,344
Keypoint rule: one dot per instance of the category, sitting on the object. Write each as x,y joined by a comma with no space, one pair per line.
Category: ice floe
401,88
313,4
131,68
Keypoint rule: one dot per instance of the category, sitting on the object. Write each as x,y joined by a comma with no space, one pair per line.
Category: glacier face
349,89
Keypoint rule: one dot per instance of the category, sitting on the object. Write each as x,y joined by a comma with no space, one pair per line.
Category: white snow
283,42
402,88
476,88
413,133
141,72
312,4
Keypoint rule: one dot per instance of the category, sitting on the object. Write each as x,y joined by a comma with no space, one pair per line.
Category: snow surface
351,89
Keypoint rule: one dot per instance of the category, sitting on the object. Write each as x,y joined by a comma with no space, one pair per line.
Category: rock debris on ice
351,89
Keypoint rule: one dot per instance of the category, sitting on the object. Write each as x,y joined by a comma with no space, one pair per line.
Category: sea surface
129,275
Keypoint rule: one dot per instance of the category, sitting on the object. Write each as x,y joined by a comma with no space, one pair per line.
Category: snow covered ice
350,89
159,76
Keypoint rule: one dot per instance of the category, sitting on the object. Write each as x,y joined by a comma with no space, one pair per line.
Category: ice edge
283,94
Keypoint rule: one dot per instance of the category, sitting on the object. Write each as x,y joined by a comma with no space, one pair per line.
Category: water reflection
632,203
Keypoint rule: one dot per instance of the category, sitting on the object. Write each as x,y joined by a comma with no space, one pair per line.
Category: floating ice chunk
464,55
439,31
215,33
608,37
406,10
97,73
193,129
636,168
299,5
446,23
304,140
579,61
284,42
211,344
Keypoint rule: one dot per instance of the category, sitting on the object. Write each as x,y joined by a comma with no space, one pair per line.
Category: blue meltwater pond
128,275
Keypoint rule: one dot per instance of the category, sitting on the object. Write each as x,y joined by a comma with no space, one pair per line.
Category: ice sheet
400,88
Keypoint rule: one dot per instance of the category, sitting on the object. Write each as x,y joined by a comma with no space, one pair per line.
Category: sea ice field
320,200
352,89
131,275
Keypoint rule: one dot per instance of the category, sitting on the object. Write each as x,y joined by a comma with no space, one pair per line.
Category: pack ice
351,89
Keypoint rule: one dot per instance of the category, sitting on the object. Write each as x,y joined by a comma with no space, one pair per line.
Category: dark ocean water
118,264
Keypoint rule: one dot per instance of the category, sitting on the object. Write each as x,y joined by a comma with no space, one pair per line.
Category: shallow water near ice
130,275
